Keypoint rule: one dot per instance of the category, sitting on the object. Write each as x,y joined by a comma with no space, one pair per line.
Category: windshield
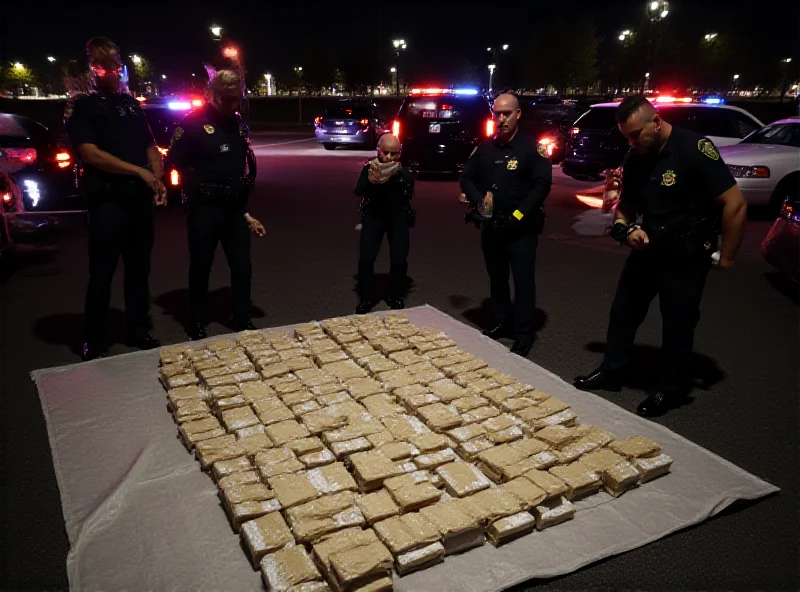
600,118
780,134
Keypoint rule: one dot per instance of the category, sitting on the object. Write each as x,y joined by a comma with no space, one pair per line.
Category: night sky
175,35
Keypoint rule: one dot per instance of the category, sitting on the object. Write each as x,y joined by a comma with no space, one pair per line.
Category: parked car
352,123
39,164
596,144
439,128
766,164
781,247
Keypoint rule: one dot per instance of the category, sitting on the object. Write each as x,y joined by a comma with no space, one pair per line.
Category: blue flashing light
713,101
179,105
466,91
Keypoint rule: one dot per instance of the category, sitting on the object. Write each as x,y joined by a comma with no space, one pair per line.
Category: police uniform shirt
384,199
516,174
114,122
683,179
213,145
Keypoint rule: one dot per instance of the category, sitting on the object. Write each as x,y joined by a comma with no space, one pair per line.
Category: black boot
244,326
498,332
396,303
91,352
197,331
603,378
522,347
363,307
143,341
658,403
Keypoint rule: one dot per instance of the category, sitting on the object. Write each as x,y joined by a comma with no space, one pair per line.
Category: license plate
435,128
339,130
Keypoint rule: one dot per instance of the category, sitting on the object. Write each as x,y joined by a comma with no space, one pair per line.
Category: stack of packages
362,445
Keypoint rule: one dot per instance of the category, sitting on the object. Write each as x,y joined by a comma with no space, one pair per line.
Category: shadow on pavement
26,256
645,359
481,316
67,329
784,285
380,286
219,307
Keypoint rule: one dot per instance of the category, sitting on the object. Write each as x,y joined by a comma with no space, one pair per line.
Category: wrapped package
287,568
509,528
265,535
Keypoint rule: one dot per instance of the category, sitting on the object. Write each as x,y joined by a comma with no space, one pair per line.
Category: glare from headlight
32,187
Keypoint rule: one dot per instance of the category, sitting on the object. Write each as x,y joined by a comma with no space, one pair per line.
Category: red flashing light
163,151
574,131
25,155
489,128
671,99
7,198
549,146
318,120
396,128
174,178
198,102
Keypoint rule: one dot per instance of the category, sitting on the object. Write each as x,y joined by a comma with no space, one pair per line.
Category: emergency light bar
444,91
713,101
179,105
668,99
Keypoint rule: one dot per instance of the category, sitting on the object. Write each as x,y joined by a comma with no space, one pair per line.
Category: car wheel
329,146
788,188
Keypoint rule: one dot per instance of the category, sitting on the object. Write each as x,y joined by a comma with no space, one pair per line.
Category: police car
595,144
766,164
36,167
164,114
439,128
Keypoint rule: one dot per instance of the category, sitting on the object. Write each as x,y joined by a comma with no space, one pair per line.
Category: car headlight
748,172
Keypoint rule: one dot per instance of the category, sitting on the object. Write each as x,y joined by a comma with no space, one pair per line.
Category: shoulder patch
176,135
707,147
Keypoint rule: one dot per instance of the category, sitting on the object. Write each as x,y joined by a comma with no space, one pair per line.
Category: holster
206,193
688,238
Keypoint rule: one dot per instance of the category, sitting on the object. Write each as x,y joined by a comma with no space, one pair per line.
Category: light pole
495,51
268,78
625,37
399,45
657,11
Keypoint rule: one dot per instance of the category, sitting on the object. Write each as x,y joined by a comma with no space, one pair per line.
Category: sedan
350,123
766,164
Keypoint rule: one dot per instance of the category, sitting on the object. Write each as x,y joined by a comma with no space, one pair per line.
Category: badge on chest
512,164
668,178
225,148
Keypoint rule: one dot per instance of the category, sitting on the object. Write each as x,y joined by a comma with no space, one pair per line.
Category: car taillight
7,198
163,151
489,128
197,102
364,122
396,128
548,146
318,121
174,178
63,159
25,155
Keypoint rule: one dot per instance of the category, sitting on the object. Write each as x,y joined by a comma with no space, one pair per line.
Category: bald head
388,148
506,116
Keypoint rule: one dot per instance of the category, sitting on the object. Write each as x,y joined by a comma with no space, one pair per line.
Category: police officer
507,176
386,189
122,179
211,150
677,181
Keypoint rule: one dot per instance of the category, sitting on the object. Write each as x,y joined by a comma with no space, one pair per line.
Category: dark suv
439,128
595,144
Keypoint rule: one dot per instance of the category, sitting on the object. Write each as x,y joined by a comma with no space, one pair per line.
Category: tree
581,57
142,73
15,77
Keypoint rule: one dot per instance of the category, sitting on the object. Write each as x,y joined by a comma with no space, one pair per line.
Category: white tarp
140,514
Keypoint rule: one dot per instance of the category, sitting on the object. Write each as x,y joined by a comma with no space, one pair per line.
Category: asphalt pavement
744,409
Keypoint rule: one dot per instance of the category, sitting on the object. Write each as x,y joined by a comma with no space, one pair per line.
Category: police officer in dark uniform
122,179
211,150
508,177
386,189
677,181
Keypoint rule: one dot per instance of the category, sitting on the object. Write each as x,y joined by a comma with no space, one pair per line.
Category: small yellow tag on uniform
209,128
517,214
707,147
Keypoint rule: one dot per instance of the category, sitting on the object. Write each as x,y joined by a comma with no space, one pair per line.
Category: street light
736,77
163,77
505,47
216,31
491,76
658,9
137,60
51,59
495,58
787,60
393,70
18,66
268,78
710,36
399,44
625,34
